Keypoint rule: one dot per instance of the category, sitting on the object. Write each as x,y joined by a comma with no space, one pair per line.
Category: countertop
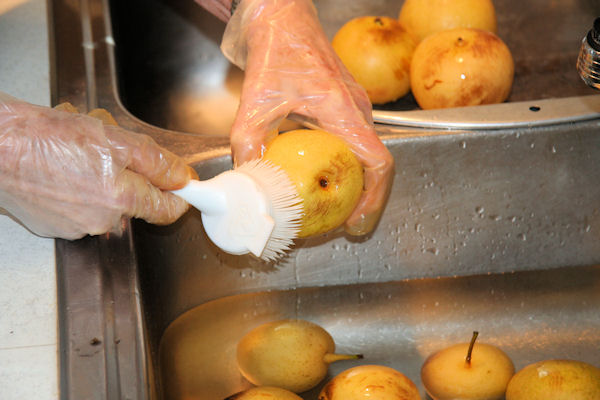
28,308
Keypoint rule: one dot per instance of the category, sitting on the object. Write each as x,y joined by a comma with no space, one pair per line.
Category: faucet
588,61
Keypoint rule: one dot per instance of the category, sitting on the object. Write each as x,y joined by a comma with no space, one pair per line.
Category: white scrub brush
254,208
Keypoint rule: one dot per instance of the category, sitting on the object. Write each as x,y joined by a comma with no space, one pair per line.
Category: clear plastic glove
219,8
292,71
67,175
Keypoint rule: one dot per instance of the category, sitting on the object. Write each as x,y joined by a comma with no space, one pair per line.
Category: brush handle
206,196
235,211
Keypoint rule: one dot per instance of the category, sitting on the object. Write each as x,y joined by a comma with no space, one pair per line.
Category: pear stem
332,357
470,351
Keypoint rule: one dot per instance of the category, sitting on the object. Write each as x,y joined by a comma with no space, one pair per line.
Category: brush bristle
286,205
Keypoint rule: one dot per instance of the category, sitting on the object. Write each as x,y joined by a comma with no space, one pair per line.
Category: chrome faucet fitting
588,62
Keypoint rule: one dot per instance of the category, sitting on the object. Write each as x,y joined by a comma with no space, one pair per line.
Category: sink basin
177,78
457,249
493,222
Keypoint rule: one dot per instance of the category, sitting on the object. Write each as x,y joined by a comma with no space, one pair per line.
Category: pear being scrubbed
327,175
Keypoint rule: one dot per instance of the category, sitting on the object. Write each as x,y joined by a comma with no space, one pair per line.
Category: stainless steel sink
175,77
493,223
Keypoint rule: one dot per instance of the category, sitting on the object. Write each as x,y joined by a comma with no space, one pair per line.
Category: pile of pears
286,357
292,356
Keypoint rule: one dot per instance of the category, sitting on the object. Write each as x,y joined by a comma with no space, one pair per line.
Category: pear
377,51
328,176
289,354
448,69
467,371
555,380
265,393
370,382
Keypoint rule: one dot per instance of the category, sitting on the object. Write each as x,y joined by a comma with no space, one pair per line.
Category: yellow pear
555,380
467,371
289,354
265,393
370,382
425,17
327,175
377,51
461,67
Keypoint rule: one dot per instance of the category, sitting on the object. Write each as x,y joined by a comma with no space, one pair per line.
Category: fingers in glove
291,70
143,200
254,126
378,181
378,166
164,169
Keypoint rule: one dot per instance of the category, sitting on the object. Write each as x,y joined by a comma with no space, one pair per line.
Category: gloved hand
292,71
67,175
